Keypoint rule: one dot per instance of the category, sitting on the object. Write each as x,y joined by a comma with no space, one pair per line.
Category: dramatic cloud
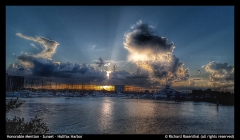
18,69
138,78
154,54
43,67
41,64
221,75
220,72
27,60
48,45
48,68
142,40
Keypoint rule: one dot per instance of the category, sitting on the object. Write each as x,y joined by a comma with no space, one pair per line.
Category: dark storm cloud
80,68
48,68
138,78
142,37
43,69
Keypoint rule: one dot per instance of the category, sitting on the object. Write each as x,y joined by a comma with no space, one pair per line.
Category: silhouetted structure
119,88
14,82
213,96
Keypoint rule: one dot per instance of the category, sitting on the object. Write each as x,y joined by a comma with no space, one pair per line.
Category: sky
187,47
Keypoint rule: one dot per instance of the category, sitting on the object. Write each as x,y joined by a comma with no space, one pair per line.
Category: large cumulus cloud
154,54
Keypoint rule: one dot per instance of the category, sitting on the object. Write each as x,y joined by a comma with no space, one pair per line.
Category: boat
168,93
119,94
86,95
12,94
35,94
113,95
144,96
76,94
59,94
98,94
24,93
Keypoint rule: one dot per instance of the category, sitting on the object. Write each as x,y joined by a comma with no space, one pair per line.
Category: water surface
114,115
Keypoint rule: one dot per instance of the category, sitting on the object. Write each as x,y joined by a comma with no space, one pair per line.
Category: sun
108,72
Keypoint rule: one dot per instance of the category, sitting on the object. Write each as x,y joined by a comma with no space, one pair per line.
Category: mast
26,83
82,87
50,84
11,84
31,85
42,85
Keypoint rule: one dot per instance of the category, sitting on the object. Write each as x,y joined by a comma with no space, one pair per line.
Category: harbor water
116,115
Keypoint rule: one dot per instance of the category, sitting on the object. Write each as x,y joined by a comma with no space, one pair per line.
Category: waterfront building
119,88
